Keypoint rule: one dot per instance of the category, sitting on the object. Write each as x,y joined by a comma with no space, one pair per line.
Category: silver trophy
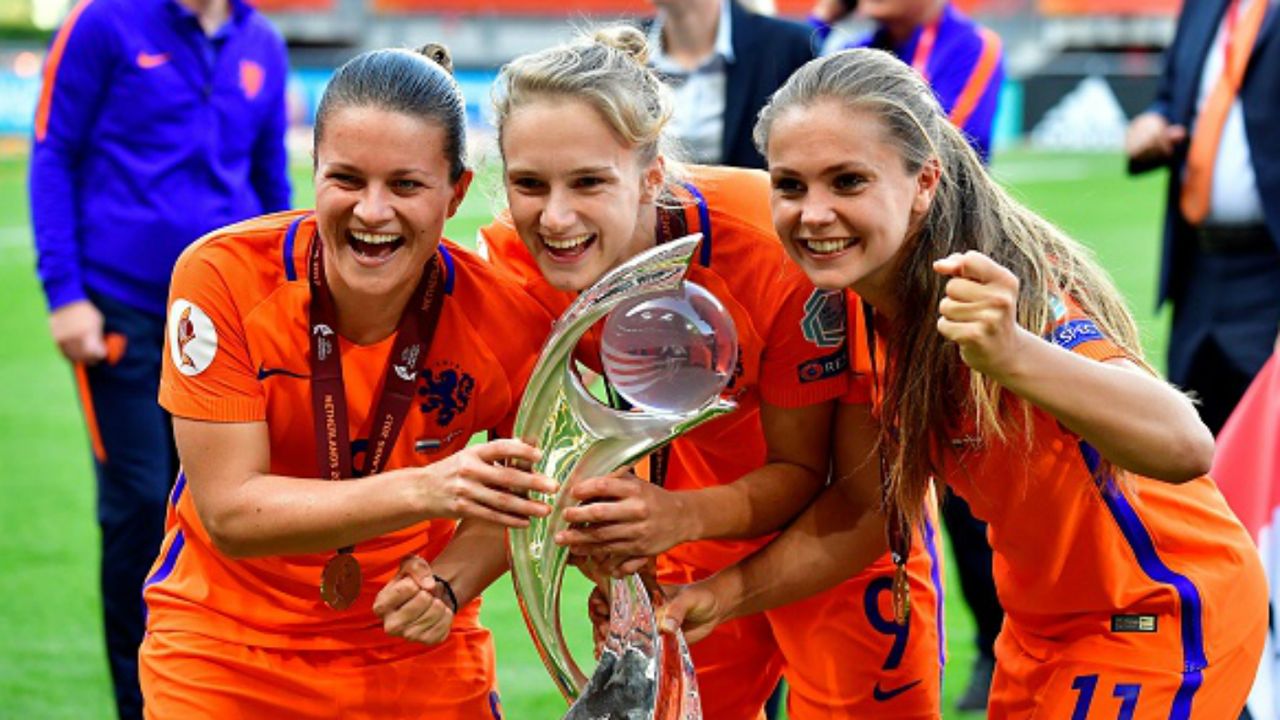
642,674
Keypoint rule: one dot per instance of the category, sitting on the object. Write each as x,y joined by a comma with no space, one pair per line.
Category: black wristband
448,592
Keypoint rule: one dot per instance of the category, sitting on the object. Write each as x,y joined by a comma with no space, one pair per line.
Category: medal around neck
340,581
669,348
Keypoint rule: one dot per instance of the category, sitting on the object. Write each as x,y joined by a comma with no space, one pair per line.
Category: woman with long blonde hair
1007,367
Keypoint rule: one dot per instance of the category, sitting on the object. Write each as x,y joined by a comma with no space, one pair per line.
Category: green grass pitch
52,663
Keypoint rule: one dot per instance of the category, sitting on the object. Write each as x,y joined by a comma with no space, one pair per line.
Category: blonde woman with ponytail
589,185
1007,367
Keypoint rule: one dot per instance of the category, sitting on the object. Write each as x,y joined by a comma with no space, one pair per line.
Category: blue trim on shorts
704,219
1192,625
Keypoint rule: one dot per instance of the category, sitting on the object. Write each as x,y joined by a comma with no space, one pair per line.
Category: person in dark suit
723,62
1213,124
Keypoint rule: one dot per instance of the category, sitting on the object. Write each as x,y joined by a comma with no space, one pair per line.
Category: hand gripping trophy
668,348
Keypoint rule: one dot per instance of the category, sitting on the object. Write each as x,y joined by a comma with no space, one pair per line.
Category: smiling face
382,197
843,202
580,197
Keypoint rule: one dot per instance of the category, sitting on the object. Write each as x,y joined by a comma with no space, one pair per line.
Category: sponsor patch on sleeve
826,366
1074,332
824,315
193,341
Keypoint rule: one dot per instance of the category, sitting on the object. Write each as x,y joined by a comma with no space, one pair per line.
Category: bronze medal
901,596
340,581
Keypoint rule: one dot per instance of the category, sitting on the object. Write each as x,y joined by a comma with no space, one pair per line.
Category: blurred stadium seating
1078,68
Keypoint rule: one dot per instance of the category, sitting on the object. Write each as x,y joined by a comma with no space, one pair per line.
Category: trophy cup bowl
642,674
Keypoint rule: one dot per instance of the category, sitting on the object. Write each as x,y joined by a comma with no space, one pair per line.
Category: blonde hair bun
626,38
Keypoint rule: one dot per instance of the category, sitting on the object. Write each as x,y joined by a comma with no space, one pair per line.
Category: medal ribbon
899,533
328,396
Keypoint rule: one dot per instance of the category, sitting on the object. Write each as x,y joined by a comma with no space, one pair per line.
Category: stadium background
1078,70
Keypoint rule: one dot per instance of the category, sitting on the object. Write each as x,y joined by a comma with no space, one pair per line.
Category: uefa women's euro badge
668,348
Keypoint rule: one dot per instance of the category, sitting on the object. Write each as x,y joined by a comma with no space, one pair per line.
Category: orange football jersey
238,351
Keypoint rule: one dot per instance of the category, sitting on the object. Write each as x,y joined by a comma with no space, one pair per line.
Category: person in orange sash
1011,372
589,186
326,371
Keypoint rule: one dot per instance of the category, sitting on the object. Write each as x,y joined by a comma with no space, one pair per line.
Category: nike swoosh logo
265,372
883,695
147,61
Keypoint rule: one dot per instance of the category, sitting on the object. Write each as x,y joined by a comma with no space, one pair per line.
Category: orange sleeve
1072,330
805,358
207,373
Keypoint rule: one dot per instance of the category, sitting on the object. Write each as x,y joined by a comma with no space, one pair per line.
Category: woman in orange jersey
1011,371
325,372
588,185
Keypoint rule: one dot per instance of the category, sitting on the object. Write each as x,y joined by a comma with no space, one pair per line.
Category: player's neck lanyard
924,47
340,582
899,534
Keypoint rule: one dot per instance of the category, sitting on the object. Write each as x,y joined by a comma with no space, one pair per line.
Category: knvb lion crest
447,392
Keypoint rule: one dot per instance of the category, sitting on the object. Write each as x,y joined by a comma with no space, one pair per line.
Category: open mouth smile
372,246
826,247
568,248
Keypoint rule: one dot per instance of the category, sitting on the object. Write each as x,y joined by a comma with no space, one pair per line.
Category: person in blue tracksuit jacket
158,121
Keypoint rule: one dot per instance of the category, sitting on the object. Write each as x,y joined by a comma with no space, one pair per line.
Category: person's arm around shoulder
1132,418
75,82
